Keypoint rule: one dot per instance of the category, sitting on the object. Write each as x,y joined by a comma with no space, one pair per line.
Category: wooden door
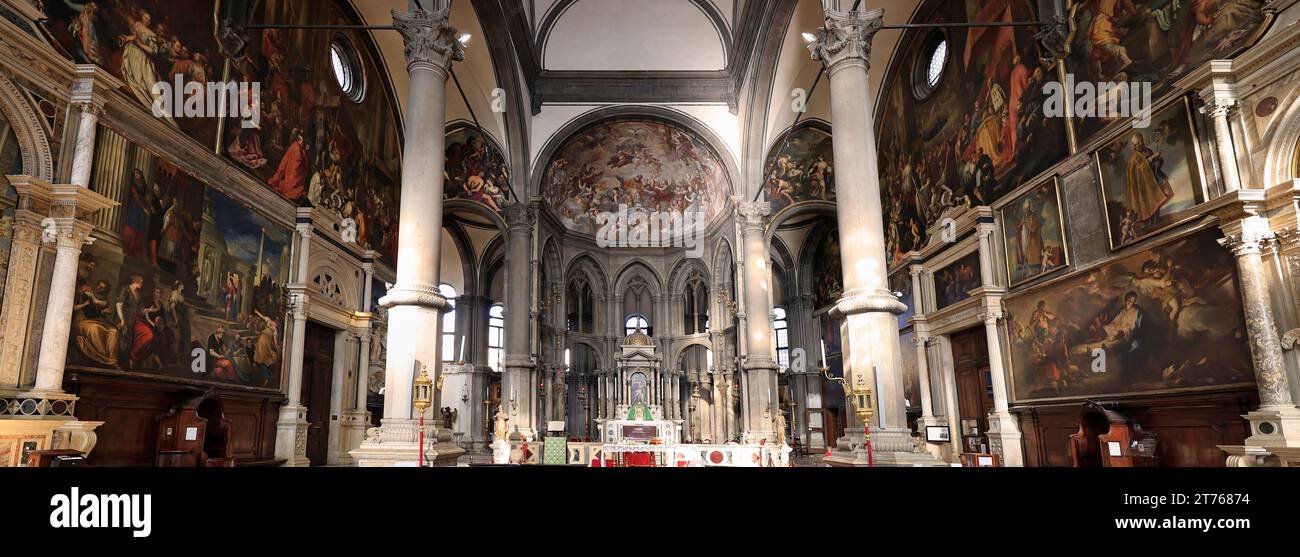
317,387
970,359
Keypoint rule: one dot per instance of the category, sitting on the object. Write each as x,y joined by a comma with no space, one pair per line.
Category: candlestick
823,351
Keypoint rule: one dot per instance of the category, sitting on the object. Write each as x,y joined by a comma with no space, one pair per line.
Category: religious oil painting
1151,178
638,164
193,291
978,134
143,42
953,283
1154,41
1161,319
911,376
318,144
1033,235
800,168
900,283
475,169
828,275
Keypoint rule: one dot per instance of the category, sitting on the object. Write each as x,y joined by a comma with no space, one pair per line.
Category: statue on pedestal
778,424
502,424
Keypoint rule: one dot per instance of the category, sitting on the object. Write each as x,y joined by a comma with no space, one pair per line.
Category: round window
928,71
347,69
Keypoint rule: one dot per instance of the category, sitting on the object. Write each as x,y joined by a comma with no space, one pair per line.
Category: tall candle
823,351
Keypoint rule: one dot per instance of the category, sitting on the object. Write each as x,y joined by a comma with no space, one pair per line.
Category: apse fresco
1164,318
644,165
828,276
953,283
1033,235
799,168
194,288
1151,177
1155,41
475,169
143,42
980,134
315,146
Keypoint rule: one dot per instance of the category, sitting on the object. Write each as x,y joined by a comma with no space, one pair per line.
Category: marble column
414,303
1218,108
291,427
71,208
516,382
760,366
870,328
1276,424
334,420
1004,428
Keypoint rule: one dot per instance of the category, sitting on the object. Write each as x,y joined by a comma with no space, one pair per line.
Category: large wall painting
1164,318
1033,235
645,165
801,171
475,169
953,283
980,134
1155,41
143,42
313,145
195,270
828,275
1151,178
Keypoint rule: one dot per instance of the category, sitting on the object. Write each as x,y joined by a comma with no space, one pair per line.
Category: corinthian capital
430,41
518,214
753,214
1218,107
846,36
1245,243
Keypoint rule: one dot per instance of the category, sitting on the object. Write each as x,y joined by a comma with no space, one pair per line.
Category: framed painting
1151,178
1167,318
953,283
1033,234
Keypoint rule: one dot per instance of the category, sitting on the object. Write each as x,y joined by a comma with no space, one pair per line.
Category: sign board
937,434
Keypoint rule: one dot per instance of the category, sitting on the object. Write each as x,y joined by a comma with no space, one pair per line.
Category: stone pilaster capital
1246,242
519,215
753,214
846,36
430,42
1218,106
991,316
66,233
414,294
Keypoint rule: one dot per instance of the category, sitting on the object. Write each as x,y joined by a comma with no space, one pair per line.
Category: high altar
639,398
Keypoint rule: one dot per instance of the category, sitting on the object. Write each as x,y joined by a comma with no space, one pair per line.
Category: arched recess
690,281
724,282
594,347
465,250
785,266
639,289
552,284
666,115
557,11
38,160
1282,159
585,270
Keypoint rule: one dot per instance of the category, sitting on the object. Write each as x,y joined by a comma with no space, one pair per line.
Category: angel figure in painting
138,49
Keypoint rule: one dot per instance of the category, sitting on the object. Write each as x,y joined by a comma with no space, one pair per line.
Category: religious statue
502,422
778,423
449,415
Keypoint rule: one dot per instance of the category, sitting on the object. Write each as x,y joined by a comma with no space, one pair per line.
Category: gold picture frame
1055,184
1196,173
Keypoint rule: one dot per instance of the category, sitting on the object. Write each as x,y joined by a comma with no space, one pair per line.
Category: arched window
782,335
448,323
634,322
496,336
696,308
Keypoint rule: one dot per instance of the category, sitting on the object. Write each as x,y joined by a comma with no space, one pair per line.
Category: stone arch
38,160
1283,140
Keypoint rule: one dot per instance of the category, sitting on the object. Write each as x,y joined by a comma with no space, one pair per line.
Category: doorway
970,361
317,387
